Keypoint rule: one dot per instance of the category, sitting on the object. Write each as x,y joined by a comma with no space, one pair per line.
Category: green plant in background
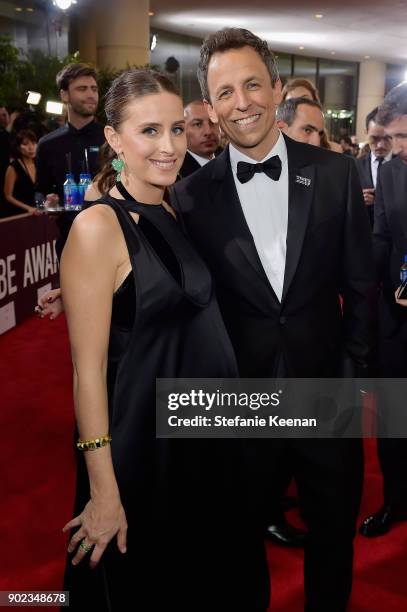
22,72
36,71
9,62
105,78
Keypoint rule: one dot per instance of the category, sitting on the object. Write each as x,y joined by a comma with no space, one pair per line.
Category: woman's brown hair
130,85
19,139
294,83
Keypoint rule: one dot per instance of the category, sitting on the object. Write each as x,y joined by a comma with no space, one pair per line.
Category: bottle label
70,197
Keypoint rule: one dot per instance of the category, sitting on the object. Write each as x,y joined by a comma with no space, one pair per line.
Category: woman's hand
34,211
400,302
101,520
50,303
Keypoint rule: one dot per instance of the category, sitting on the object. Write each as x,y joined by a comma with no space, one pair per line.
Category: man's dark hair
233,38
288,109
195,102
347,140
394,105
70,72
371,117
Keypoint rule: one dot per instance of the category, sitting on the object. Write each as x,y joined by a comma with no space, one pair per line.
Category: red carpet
36,423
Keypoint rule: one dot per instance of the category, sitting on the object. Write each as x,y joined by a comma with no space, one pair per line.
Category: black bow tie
271,167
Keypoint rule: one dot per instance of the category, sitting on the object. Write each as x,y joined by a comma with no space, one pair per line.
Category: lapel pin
302,180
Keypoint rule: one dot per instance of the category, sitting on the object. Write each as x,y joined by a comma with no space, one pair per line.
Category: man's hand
400,302
12,118
368,195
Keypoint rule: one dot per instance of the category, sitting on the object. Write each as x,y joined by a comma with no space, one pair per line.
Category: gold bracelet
85,445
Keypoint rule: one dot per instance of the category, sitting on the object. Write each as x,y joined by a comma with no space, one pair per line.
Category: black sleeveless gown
190,539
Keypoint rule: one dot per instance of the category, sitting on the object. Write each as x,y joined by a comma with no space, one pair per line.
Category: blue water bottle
81,188
71,193
84,182
403,270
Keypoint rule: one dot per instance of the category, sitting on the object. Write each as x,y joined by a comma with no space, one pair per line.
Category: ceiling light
301,47
33,97
64,5
151,13
19,9
29,10
318,16
54,108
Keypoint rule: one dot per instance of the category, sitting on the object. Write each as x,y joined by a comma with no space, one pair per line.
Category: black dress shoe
380,523
286,535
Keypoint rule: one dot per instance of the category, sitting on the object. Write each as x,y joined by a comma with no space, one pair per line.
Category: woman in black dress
21,175
159,524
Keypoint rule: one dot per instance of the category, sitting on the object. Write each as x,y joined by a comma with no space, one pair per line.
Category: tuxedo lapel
231,217
399,171
367,160
366,166
301,179
189,166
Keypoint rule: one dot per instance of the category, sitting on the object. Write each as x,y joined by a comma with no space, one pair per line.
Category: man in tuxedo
390,248
368,165
203,138
302,120
283,229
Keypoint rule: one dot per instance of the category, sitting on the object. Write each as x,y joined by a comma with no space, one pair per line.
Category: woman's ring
85,547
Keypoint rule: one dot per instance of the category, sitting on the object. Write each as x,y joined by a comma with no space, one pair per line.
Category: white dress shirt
265,207
374,165
201,160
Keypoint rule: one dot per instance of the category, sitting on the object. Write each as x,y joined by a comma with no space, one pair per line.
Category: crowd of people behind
137,289
21,192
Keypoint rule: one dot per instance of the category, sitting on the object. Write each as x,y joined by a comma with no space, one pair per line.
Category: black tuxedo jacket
328,253
390,236
365,171
189,166
366,180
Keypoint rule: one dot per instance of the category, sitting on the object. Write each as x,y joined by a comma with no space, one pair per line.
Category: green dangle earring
118,165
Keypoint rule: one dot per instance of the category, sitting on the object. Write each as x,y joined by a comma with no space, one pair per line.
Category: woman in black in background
19,182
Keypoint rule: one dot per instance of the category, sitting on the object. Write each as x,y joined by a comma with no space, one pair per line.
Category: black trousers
329,477
392,359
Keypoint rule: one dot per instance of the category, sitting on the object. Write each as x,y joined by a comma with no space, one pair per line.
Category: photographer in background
368,165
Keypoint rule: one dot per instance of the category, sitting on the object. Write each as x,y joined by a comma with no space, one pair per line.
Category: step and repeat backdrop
28,265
